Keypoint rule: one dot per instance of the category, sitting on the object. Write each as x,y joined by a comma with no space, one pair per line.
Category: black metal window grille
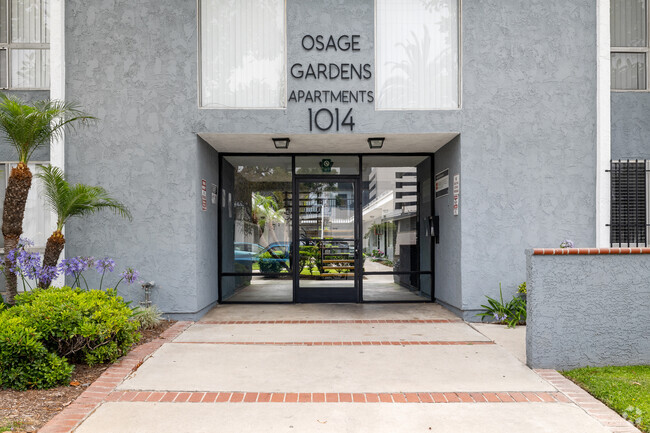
629,215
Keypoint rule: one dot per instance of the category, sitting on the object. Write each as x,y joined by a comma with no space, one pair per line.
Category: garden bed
27,411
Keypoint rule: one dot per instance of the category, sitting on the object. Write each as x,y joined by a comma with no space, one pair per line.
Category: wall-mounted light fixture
376,142
281,143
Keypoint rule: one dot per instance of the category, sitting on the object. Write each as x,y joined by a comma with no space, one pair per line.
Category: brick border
70,417
588,251
594,407
343,343
320,322
335,397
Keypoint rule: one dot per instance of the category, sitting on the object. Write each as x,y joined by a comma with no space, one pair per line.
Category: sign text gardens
326,119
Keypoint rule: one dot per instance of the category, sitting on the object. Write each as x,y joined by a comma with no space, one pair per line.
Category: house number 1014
324,119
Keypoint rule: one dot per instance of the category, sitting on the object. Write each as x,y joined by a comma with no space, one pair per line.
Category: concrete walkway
338,368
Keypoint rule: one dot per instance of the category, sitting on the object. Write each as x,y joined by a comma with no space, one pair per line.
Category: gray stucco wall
448,276
588,310
528,151
207,228
630,125
127,63
527,127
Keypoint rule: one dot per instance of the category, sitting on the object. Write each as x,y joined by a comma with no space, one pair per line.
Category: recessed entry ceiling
327,143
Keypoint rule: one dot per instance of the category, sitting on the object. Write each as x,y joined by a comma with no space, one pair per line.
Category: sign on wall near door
442,183
204,195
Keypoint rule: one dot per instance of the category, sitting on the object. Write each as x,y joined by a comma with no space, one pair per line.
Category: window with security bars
629,203
24,45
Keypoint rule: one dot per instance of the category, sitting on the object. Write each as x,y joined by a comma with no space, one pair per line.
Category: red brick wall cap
588,251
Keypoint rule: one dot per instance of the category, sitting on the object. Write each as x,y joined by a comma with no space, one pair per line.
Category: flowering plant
28,266
566,244
76,266
511,313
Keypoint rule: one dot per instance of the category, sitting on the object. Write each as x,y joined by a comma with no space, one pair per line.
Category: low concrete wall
588,307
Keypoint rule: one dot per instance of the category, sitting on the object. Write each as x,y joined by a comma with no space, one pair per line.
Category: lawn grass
624,389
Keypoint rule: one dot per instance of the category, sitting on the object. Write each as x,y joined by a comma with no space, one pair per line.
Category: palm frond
56,188
86,200
28,127
76,200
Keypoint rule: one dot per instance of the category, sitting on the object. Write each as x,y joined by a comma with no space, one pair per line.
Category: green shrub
24,361
148,317
270,264
84,326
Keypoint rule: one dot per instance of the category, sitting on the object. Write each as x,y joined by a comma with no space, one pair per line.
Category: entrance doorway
328,236
325,228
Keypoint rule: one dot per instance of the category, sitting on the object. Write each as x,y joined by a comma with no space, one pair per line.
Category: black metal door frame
326,294
358,196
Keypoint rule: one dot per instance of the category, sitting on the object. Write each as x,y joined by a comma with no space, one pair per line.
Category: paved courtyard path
342,368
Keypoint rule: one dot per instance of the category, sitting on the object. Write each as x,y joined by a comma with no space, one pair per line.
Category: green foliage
11,425
84,326
310,255
270,264
512,313
148,317
625,389
381,228
24,361
522,288
30,126
266,209
75,200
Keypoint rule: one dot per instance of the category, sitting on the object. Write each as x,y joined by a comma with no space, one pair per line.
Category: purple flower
72,266
130,275
566,244
25,242
48,273
88,262
104,265
30,264
82,262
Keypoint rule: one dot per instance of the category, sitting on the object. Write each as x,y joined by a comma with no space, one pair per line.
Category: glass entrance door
328,263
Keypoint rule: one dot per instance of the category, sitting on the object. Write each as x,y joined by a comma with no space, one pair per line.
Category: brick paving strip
343,343
594,407
336,397
320,322
103,389
70,417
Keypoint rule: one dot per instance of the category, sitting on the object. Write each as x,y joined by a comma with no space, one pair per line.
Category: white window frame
636,50
199,86
460,67
9,46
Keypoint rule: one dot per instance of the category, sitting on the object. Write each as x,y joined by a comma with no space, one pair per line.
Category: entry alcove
361,224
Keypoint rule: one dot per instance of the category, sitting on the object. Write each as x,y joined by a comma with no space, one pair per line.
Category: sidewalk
340,368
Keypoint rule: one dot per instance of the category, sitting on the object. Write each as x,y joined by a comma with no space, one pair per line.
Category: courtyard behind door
325,228
327,233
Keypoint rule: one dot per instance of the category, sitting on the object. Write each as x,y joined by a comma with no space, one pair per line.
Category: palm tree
267,212
67,201
28,127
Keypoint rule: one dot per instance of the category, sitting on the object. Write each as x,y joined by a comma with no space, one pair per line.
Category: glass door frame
358,211
326,294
